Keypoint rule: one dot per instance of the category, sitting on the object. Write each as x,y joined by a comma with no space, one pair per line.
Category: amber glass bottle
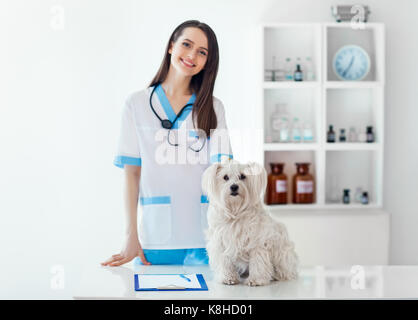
277,185
303,184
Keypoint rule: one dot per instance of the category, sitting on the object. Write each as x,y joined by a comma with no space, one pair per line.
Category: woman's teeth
187,64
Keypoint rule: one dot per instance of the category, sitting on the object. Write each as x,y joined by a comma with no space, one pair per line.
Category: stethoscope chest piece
167,124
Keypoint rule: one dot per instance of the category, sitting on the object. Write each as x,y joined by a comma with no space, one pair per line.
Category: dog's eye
226,178
242,177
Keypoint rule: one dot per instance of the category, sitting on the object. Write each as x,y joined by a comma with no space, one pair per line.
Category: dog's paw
256,282
230,280
288,276
293,275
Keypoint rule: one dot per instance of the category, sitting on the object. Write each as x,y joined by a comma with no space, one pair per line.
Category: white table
369,282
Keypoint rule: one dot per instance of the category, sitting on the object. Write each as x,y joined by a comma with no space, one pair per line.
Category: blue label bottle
298,75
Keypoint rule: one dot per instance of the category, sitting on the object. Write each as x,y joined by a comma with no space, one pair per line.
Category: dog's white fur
243,240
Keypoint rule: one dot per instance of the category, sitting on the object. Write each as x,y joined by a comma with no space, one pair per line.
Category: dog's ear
258,176
208,178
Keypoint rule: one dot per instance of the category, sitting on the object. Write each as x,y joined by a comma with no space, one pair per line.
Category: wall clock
351,63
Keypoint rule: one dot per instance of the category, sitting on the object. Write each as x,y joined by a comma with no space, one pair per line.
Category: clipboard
170,282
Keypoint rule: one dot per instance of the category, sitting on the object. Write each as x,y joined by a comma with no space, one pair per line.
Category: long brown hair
203,83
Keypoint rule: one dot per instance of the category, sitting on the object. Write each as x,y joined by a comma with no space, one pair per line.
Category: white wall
61,98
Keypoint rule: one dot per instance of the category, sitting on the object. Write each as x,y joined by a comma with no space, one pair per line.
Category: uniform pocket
156,220
204,205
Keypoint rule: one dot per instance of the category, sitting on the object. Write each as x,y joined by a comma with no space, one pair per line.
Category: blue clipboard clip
184,277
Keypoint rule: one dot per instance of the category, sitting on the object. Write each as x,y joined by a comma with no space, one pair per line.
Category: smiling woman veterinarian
164,160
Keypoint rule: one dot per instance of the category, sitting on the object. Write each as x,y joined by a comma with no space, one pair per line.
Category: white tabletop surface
320,282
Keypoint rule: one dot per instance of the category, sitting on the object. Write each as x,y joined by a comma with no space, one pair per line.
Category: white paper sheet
150,281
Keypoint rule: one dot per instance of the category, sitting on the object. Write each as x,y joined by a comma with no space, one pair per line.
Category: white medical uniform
172,206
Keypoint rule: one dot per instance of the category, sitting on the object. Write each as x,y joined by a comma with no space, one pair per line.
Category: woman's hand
132,249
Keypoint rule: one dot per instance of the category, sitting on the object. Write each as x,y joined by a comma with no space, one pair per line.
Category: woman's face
190,52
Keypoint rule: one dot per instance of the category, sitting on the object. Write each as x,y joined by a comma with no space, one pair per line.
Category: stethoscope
167,124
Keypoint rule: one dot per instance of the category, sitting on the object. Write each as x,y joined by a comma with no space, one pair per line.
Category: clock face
351,63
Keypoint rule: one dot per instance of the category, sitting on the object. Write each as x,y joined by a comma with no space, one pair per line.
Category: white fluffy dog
243,240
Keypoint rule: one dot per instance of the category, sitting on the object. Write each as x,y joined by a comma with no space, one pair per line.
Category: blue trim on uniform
120,161
196,256
204,199
168,109
217,157
155,200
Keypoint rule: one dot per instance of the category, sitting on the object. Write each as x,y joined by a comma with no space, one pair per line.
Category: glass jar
303,184
277,185
275,123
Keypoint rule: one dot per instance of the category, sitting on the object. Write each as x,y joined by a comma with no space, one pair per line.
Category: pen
171,287
184,277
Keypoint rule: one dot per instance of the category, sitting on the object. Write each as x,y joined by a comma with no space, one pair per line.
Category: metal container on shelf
357,12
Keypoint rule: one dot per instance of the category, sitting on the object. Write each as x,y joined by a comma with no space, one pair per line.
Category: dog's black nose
234,188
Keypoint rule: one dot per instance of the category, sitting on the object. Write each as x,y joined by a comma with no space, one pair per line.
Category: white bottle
288,69
362,136
307,132
358,195
352,135
309,70
284,130
296,131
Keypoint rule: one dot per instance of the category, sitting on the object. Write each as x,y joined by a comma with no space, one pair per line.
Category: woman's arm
132,246
131,193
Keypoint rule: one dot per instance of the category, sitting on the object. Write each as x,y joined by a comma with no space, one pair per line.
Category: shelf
323,102
303,104
290,146
370,39
288,25
337,146
352,170
279,43
367,25
347,146
290,84
327,84
351,206
353,84
357,108
291,206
